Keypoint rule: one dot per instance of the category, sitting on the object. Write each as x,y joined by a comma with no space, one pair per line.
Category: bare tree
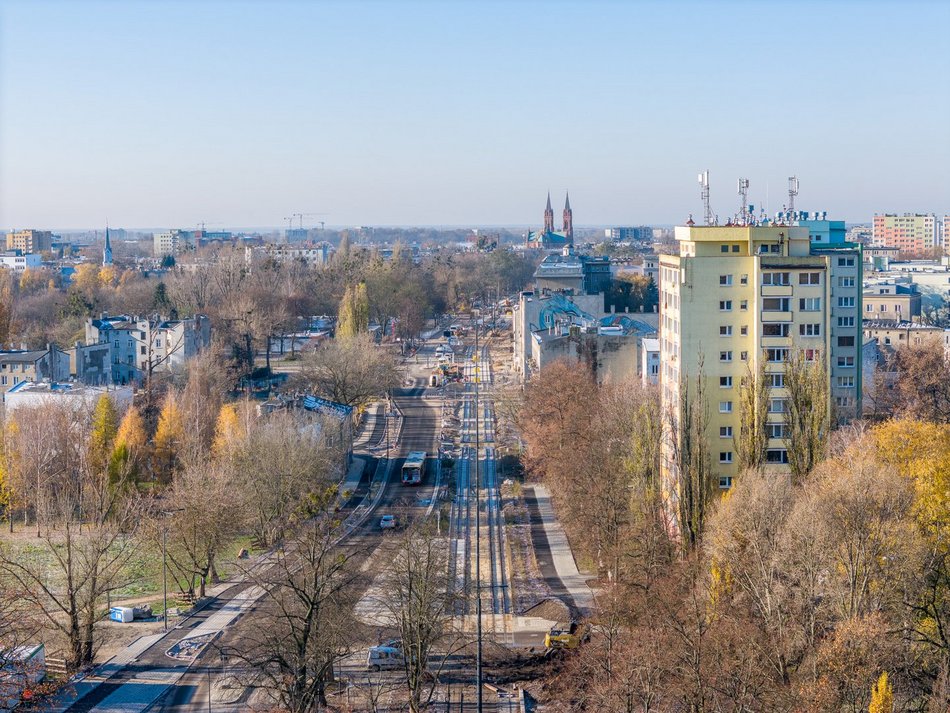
209,514
692,459
305,621
353,371
87,525
752,440
807,412
420,600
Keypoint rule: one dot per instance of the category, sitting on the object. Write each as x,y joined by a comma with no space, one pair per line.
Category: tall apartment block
914,233
735,296
30,241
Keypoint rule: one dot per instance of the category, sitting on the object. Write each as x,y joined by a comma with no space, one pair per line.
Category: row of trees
825,591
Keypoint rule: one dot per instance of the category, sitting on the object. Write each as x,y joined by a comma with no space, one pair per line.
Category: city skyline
420,114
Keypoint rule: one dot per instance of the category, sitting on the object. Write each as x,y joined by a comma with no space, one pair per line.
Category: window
845,262
846,362
725,382
776,455
809,330
725,280
776,304
883,308
845,321
776,430
725,330
725,356
725,482
744,305
845,282
775,355
158,343
142,349
725,456
845,341
776,381
809,278
725,407
775,329
846,302
777,406
131,359
725,305
743,279
810,304
723,248
775,248
735,248
725,431
743,331
744,356
3,382
846,382
869,308
116,343
811,354
776,278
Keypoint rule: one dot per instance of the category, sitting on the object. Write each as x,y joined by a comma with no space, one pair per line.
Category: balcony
777,290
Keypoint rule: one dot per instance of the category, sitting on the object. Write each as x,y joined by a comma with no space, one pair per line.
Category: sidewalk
560,554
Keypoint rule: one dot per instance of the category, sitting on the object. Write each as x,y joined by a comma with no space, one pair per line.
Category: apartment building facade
911,233
737,295
30,241
140,346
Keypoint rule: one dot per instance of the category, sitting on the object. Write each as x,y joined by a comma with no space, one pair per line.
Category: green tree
692,459
105,427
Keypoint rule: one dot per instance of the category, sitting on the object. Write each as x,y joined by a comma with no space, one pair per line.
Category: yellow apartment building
735,295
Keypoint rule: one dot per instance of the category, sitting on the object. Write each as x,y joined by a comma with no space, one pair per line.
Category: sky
165,114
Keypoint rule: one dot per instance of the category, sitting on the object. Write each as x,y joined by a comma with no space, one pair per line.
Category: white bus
414,468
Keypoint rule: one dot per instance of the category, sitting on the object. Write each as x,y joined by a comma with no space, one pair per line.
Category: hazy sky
153,114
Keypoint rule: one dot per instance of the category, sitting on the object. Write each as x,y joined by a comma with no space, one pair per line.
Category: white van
384,658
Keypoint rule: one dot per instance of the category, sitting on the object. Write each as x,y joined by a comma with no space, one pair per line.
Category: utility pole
478,544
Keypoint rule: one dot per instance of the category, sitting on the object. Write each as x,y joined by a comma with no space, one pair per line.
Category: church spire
107,250
568,219
549,216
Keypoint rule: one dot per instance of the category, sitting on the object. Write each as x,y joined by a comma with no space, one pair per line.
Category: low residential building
29,366
312,255
650,361
892,300
19,261
893,334
143,346
878,259
632,234
30,241
91,363
80,397
572,273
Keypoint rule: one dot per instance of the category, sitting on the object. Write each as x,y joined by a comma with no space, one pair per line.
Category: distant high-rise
913,233
30,241
107,251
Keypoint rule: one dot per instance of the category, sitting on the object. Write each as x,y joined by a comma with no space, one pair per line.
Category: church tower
107,251
549,216
568,218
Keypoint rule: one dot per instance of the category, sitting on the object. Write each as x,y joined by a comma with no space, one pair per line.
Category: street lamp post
478,542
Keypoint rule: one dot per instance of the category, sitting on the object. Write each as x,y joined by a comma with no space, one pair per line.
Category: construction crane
301,216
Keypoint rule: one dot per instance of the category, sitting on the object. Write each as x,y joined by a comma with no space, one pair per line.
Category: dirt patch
550,608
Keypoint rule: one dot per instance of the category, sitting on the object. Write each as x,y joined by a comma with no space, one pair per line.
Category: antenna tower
792,192
704,194
744,192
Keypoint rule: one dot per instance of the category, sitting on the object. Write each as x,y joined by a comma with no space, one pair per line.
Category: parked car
384,658
387,522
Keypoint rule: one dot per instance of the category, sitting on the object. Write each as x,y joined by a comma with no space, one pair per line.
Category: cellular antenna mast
744,192
704,194
792,192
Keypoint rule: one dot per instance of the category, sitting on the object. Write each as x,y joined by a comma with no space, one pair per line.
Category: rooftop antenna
792,192
744,192
704,194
